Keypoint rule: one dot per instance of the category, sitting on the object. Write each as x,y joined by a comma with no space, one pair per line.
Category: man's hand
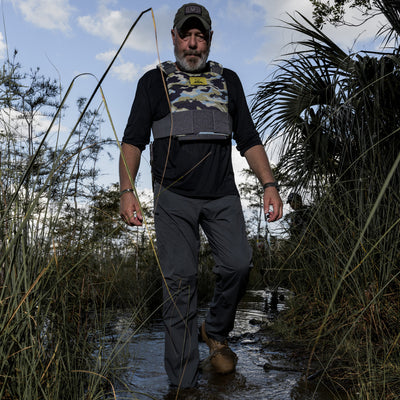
129,210
273,206
258,162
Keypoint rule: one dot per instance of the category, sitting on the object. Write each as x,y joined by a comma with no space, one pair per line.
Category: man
193,106
299,217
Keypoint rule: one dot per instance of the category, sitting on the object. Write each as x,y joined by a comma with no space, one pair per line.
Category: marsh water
265,369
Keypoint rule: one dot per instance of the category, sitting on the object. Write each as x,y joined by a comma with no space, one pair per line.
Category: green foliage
346,292
334,11
49,297
339,116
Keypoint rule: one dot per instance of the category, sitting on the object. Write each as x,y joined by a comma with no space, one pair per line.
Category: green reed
344,272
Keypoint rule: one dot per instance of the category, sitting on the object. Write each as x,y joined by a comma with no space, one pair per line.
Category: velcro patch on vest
197,80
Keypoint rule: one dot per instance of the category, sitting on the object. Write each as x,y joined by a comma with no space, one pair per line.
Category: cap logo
192,10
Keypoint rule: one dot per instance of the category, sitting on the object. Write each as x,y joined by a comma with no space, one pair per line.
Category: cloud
130,72
3,46
17,125
123,70
275,40
127,71
113,25
106,56
353,38
47,14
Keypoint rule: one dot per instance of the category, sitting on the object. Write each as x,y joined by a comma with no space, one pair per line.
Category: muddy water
262,373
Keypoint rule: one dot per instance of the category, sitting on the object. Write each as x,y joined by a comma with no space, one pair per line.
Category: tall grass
339,117
345,277
65,261
44,319
57,273
58,270
344,272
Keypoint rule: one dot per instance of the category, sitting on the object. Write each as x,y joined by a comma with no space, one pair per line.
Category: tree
330,107
25,96
334,12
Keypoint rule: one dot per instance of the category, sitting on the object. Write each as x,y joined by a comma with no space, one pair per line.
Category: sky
65,38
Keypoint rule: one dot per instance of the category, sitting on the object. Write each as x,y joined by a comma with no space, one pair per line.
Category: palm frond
391,10
330,107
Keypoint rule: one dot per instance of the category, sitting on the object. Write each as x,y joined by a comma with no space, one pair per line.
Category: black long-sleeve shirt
201,169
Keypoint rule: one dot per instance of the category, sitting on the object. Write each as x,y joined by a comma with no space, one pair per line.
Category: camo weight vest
199,105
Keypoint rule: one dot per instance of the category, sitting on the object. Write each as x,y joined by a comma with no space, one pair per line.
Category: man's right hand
129,210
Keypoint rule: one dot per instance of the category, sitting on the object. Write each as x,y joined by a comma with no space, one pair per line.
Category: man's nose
192,41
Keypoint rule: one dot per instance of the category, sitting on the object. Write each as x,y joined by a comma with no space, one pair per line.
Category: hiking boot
222,358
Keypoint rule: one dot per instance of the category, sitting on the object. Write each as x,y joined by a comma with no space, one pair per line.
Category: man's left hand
273,206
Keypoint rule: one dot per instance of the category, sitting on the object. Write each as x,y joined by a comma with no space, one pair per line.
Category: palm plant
320,100
338,115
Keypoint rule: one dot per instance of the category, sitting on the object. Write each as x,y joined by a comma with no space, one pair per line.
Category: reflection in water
262,373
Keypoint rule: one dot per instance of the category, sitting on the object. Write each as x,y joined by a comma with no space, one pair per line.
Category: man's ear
209,40
173,35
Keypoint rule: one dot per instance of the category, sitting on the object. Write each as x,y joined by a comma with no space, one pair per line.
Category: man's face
295,204
191,48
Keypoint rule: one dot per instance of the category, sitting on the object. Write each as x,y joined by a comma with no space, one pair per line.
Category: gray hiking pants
177,221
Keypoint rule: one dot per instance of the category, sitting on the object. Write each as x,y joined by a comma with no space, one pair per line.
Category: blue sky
69,37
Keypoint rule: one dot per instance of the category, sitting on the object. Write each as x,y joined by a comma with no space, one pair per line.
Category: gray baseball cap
192,10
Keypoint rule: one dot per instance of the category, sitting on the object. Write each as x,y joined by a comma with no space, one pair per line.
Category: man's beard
187,66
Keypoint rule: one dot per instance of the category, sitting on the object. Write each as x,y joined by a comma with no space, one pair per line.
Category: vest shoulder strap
168,67
216,67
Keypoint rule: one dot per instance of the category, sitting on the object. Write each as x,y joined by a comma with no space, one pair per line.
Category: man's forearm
132,156
258,162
